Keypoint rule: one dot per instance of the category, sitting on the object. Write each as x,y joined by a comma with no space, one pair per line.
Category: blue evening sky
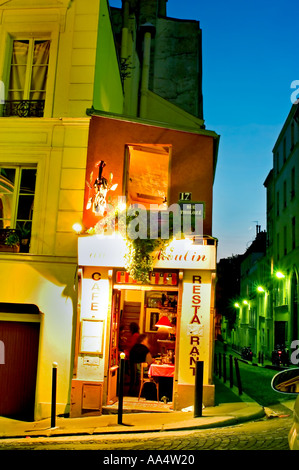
250,59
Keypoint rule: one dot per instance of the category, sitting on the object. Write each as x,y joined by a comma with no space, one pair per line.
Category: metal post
231,371
121,387
198,389
54,388
238,376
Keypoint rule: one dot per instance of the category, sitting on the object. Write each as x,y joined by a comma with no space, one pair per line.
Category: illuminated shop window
17,188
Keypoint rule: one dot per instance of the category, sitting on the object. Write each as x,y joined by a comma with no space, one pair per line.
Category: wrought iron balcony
24,108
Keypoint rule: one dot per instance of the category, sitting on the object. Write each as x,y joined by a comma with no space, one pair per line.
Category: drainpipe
148,30
125,30
162,8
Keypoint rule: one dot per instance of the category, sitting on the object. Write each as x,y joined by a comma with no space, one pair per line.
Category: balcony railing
23,108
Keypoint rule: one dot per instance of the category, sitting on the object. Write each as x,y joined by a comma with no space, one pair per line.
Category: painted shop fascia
95,373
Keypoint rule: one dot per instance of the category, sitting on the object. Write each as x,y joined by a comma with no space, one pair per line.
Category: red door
18,373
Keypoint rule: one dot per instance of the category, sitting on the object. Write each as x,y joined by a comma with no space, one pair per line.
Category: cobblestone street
264,434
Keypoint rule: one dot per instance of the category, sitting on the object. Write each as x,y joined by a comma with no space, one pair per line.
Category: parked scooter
246,353
280,356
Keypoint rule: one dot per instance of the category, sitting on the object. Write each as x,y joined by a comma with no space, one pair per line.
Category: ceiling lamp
164,322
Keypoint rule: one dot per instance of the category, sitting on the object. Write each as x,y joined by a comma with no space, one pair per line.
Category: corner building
96,100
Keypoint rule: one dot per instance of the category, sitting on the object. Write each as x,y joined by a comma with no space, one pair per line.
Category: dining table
161,370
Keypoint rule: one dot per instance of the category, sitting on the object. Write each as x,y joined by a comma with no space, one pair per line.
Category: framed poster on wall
152,316
92,336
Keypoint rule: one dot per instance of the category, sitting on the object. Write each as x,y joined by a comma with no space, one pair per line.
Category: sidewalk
230,409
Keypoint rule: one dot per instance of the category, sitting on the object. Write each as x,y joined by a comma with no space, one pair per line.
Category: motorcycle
246,353
280,356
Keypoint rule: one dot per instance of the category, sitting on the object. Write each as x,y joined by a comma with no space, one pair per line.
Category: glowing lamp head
279,275
260,289
245,302
237,305
77,228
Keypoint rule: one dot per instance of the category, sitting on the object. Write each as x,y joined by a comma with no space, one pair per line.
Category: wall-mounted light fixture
99,189
77,228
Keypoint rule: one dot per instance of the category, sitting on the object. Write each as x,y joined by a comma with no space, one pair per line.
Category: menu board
91,340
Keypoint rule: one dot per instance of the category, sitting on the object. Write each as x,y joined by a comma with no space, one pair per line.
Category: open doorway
139,312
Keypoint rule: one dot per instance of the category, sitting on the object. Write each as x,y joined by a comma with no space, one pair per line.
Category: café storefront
180,289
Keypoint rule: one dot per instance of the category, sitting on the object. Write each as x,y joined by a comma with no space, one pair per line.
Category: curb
250,411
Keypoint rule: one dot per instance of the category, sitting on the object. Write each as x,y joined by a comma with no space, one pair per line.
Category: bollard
121,387
54,388
238,376
231,371
224,368
198,389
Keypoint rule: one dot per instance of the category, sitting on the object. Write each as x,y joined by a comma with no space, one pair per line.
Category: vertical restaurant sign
95,294
195,325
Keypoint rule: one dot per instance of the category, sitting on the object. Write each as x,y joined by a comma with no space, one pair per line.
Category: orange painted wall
191,166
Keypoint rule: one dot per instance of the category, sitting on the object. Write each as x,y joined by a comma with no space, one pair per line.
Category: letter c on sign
96,276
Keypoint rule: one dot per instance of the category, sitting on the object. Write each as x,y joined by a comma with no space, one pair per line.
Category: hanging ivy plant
134,225
139,256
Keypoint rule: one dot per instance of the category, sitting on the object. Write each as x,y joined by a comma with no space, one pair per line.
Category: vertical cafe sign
95,294
195,325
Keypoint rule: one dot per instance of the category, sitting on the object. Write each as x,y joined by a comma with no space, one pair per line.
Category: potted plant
25,233
9,240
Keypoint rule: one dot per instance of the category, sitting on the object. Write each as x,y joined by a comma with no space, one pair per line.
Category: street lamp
279,275
245,302
236,305
260,289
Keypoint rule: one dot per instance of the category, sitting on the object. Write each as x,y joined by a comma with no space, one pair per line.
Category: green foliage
12,239
140,245
139,256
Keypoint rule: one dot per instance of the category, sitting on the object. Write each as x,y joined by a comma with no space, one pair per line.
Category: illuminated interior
148,174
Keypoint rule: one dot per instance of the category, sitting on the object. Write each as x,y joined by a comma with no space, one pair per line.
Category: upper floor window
148,175
284,149
293,232
28,78
293,183
284,194
292,135
17,189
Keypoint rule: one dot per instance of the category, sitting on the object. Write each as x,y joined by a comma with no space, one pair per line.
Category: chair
144,378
